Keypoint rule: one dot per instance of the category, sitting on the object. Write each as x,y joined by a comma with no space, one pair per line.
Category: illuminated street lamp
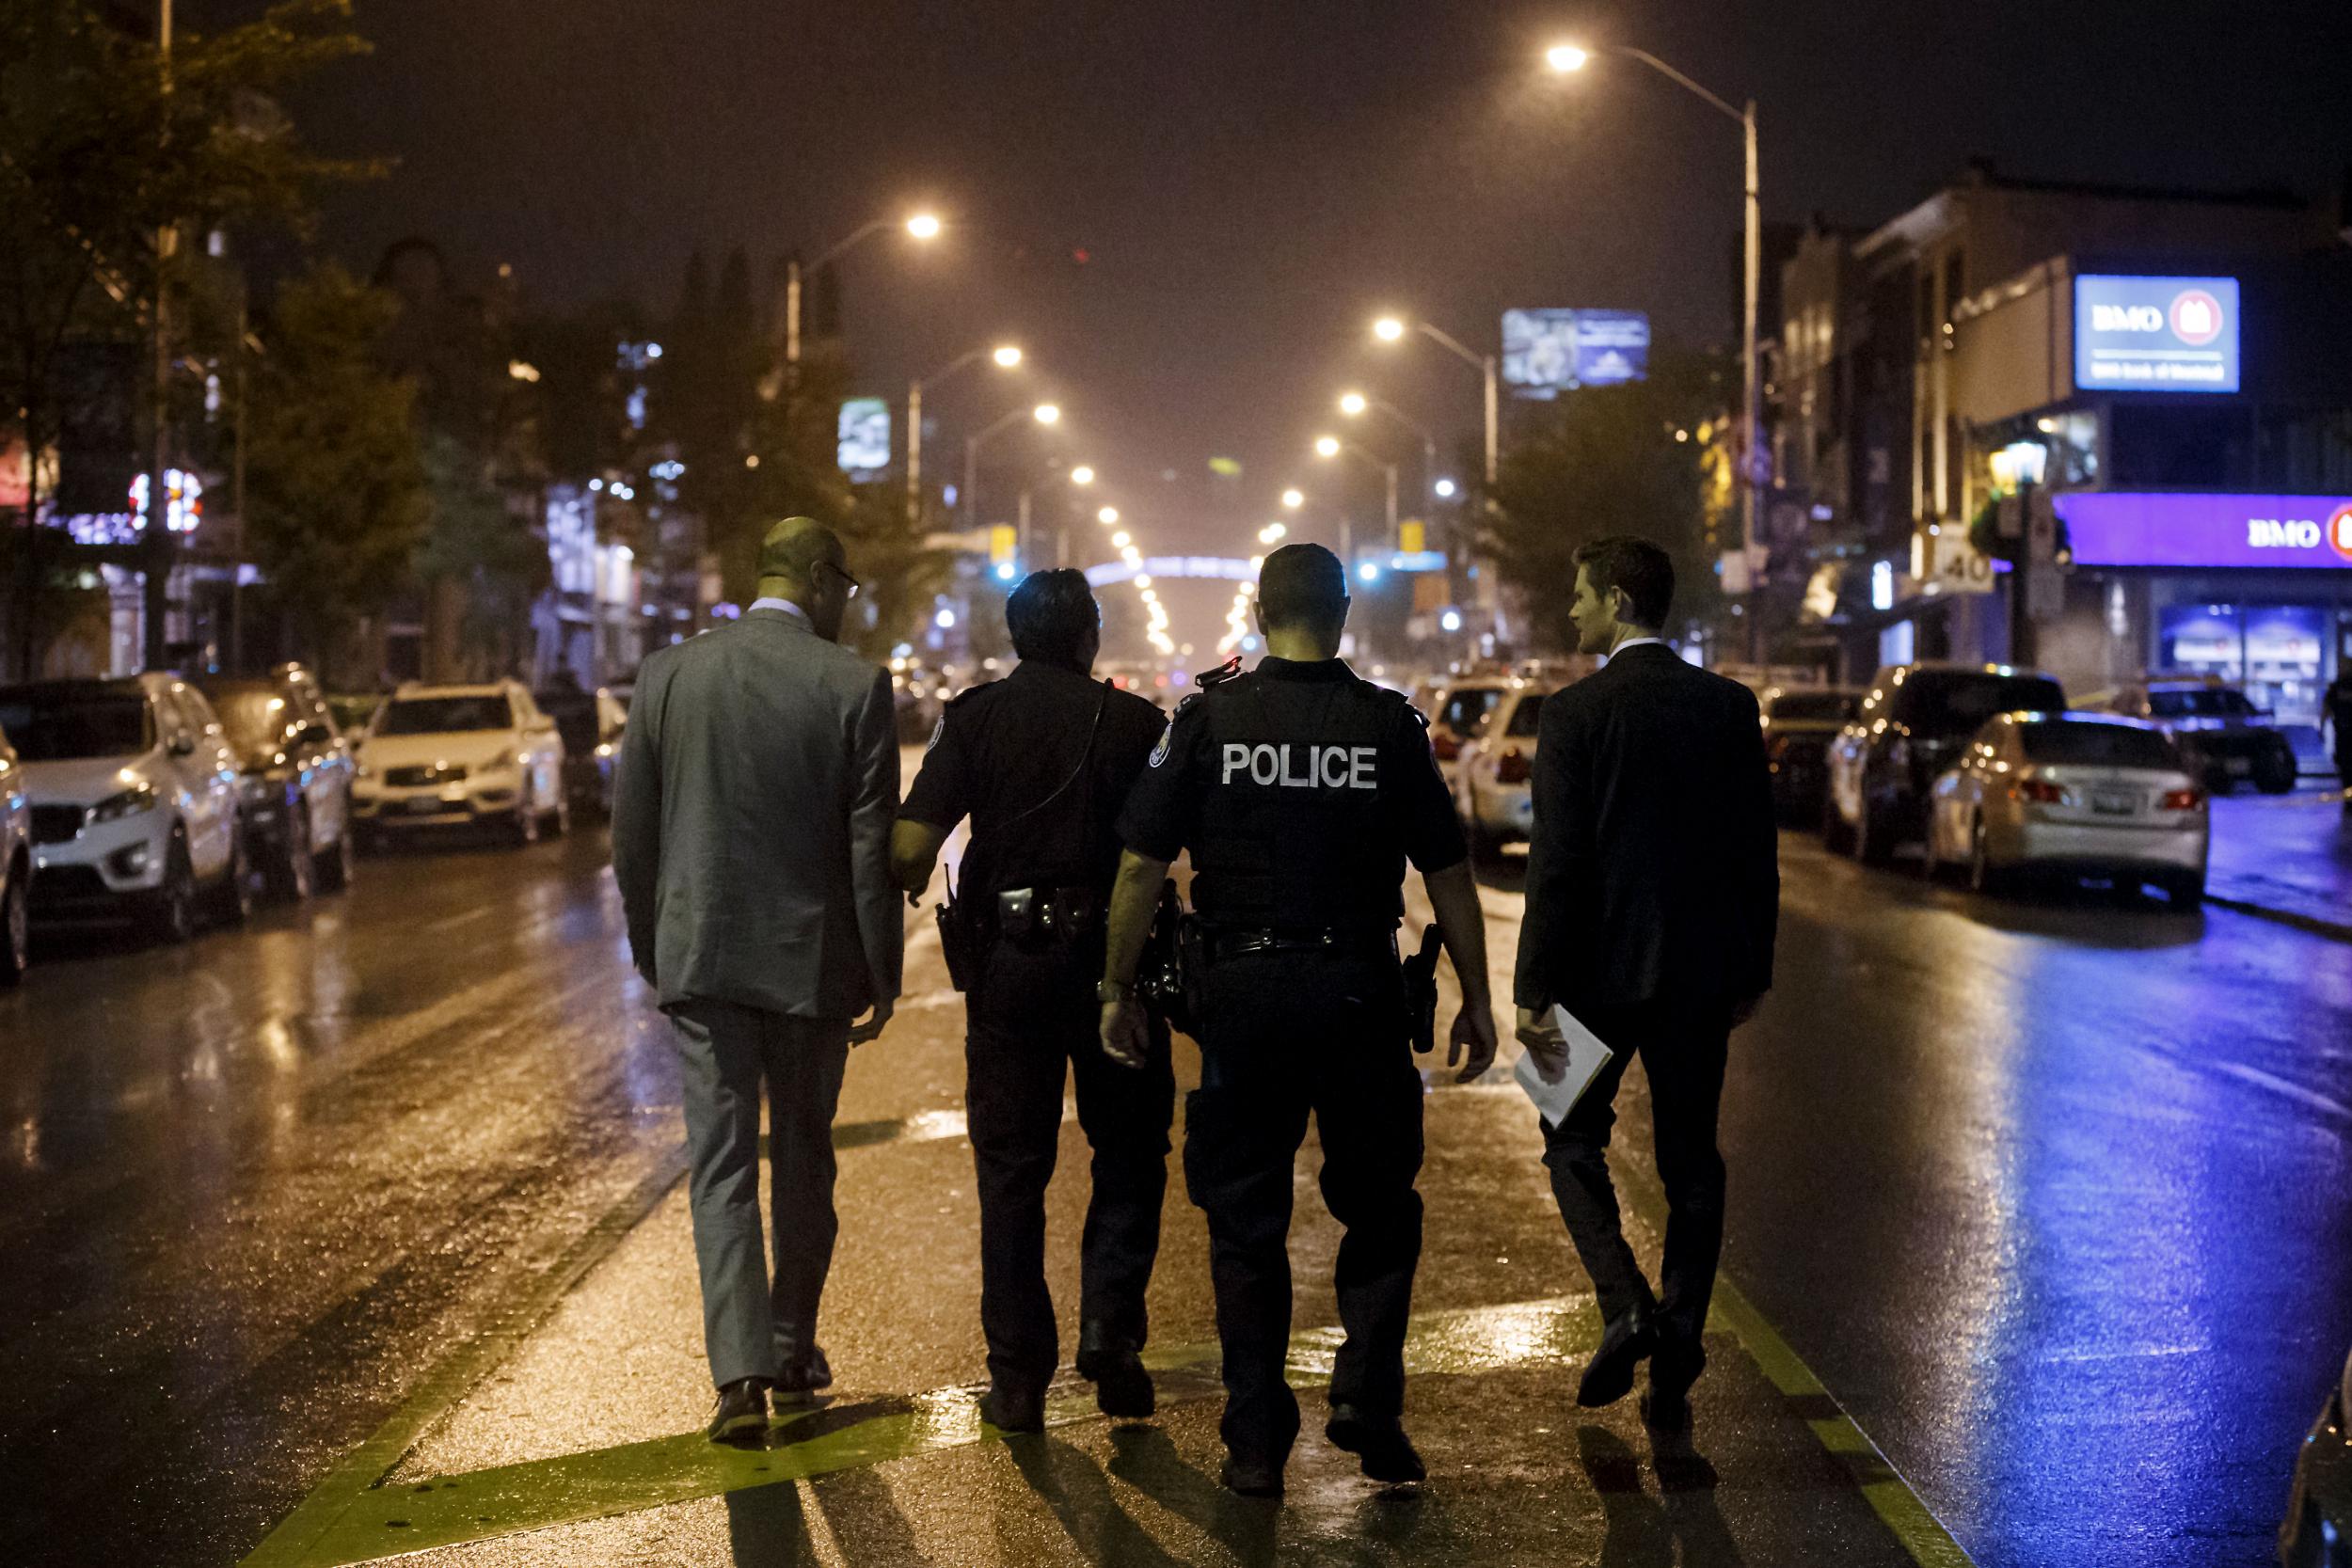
1082,475
1390,330
1564,59
1272,533
1331,446
1356,404
1108,516
1294,498
1006,356
920,226
1044,414
1327,446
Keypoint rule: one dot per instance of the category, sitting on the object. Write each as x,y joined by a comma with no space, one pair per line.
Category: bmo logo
2126,318
2195,317
2339,531
2294,534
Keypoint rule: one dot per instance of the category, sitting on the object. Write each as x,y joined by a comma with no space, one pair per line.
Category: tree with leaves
1608,460
338,499
110,151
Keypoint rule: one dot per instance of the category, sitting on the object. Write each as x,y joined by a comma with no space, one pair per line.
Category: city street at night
359,1231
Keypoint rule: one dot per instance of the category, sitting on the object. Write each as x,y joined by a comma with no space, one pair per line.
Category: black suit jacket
1654,870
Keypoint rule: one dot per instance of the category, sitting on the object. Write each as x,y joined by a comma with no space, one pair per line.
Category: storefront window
2277,653
2201,640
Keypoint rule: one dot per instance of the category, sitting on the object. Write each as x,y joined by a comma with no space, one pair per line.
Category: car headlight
131,802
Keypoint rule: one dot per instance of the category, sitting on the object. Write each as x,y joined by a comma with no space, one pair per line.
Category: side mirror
181,746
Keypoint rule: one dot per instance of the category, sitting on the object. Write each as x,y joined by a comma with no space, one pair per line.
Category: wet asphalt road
2053,1196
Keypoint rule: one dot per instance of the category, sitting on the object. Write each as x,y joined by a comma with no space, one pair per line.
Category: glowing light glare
1388,329
923,226
1445,488
1108,516
1006,571
1327,446
944,620
1368,570
1271,533
1451,620
1047,413
1294,498
1566,57
1082,475
1353,403
1008,356
1120,540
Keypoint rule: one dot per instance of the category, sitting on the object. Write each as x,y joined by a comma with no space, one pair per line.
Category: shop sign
2156,333
2125,528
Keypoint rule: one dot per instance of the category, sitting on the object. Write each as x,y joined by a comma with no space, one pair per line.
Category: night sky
1249,182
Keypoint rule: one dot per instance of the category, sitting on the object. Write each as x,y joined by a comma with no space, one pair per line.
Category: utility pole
157,547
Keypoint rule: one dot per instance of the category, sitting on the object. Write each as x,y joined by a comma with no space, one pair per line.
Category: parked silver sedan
2073,794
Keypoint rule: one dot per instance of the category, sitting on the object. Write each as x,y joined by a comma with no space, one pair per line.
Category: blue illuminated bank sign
2156,333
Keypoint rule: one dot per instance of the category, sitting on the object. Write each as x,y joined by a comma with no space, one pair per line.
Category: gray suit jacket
750,822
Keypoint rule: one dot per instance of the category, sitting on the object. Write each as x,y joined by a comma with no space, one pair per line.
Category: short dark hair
1303,585
1636,565
1050,615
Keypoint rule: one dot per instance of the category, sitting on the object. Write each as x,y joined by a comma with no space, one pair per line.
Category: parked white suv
1498,763
457,755
16,868
133,789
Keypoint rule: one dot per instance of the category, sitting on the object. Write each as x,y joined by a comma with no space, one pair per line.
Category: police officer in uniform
1301,791
1040,762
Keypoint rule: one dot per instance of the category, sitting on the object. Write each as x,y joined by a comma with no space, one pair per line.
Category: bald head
801,560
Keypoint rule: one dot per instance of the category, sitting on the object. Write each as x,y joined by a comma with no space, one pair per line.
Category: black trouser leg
1371,1132
805,1060
1240,1140
1577,1153
1125,1116
1685,1067
1014,1066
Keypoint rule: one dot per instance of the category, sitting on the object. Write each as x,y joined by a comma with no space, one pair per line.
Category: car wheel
1870,845
2275,774
172,918
294,875
16,927
232,899
1983,875
2187,889
339,865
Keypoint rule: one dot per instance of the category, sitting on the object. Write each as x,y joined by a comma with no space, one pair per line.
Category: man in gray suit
751,838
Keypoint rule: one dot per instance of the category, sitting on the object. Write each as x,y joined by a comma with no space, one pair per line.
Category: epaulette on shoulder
1209,680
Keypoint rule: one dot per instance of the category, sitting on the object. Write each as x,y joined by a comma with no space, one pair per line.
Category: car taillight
2182,799
2041,790
1449,746
1511,767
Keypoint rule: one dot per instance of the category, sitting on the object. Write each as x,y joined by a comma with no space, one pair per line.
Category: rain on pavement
373,1203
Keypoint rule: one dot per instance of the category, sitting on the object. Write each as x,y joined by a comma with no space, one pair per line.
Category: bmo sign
2125,528
2156,333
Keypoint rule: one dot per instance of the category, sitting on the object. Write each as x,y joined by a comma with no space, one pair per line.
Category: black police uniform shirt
1301,790
1004,747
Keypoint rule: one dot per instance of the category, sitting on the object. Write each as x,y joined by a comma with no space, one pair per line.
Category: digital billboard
2156,333
2125,528
864,436
1545,351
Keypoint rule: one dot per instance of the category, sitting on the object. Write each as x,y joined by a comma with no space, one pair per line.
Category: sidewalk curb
2312,924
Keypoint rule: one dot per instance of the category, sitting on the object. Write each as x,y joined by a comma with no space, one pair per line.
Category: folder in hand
1588,1055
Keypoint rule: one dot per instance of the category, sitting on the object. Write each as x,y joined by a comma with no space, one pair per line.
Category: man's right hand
1544,1042
866,1032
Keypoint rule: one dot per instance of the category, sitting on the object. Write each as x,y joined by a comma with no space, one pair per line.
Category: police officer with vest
1040,762
1301,791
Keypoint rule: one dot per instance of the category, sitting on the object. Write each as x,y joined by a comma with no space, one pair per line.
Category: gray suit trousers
726,1050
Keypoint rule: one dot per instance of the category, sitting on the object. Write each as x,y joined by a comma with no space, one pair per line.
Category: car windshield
2100,745
1837,705
1464,711
254,716
1526,718
444,715
67,725
1954,702
2203,702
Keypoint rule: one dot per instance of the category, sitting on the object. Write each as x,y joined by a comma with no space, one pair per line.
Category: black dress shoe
1251,1478
741,1415
1676,1364
1666,1412
1379,1442
803,1377
1609,1375
1012,1409
1122,1387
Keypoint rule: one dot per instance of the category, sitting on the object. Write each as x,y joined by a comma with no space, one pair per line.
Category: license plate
2114,805
2237,766
423,806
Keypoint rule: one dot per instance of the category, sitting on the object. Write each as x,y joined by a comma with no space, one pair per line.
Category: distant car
1491,785
1800,721
1455,709
16,868
2070,793
440,756
133,793
1911,726
591,723
2317,1532
295,789
2223,735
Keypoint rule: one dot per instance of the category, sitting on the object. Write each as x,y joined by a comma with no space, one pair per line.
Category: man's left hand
866,1032
1125,1039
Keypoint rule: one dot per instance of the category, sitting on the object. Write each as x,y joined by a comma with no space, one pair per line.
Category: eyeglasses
851,585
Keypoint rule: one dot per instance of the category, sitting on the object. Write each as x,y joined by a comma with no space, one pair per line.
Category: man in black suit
1653,885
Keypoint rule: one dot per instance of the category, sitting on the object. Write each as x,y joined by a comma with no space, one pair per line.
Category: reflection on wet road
2052,1198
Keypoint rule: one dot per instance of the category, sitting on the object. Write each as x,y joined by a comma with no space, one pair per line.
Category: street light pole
923,226
1006,356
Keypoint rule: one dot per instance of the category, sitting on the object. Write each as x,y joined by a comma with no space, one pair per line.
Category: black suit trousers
1682,1050
1033,1025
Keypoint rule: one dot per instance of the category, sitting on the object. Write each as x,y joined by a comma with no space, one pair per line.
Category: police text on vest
1318,767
